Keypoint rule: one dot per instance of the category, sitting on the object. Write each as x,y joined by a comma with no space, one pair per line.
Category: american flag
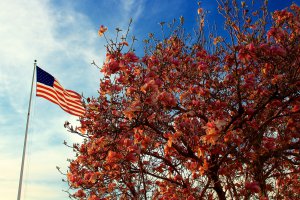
49,88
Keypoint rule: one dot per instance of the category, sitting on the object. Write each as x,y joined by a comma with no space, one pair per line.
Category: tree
194,119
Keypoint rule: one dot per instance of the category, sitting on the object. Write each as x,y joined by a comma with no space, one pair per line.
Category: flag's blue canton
44,78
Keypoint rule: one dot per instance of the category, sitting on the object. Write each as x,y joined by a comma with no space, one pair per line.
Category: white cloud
133,8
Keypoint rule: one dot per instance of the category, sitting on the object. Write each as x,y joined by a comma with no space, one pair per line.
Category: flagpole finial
34,61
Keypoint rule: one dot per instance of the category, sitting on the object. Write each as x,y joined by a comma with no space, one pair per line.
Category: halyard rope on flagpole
26,133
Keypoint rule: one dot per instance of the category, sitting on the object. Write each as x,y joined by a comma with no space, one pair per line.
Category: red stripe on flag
69,110
54,100
68,100
62,97
59,101
68,93
72,112
53,93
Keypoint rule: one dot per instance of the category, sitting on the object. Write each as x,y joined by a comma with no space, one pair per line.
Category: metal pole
25,139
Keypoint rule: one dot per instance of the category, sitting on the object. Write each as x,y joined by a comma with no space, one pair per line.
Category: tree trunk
217,184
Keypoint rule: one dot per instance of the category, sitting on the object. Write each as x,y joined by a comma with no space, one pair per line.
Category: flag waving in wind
49,88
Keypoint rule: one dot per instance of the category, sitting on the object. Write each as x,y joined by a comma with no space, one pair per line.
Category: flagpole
25,139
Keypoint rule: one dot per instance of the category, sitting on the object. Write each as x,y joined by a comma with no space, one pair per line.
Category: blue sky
62,36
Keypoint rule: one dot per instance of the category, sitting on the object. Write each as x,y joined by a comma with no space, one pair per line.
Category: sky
62,36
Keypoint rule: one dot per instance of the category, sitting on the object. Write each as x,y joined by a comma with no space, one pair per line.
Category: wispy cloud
133,8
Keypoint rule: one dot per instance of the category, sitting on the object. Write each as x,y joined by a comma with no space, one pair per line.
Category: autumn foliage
194,119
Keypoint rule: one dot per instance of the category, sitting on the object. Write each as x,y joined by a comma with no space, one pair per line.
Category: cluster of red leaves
185,123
